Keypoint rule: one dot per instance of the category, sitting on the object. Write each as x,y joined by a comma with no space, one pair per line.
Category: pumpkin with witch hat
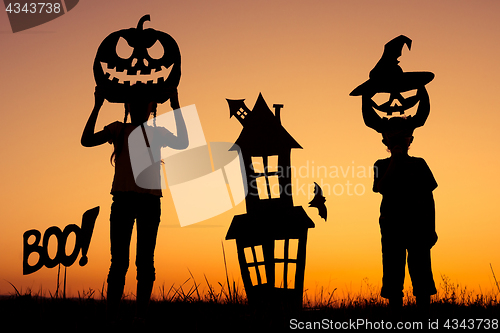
138,64
388,77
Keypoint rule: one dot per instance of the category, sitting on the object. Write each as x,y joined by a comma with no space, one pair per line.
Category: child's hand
433,239
98,97
422,93
174,100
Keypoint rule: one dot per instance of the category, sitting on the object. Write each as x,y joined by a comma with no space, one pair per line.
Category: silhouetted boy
407,216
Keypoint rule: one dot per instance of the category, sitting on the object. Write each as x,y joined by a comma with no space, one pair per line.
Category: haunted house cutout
271,237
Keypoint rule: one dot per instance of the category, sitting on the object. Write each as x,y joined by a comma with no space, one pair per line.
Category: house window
274,186
272,163
285,256
262,187
258,164
255,262
242,113
265,170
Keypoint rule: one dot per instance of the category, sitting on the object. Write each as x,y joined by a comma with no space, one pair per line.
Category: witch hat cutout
387,76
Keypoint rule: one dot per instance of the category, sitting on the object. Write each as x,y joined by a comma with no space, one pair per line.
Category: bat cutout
319,201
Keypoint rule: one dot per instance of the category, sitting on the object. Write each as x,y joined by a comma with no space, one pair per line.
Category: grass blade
13,286
498,287
225,267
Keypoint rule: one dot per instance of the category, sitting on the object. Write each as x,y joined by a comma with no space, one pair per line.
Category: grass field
189,308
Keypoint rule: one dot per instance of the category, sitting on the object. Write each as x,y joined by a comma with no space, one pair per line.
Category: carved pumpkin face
388,79
137,64
395,101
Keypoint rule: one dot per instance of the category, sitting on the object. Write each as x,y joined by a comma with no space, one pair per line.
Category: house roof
275,224
263,133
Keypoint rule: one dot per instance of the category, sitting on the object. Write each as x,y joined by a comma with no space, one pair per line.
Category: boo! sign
83,236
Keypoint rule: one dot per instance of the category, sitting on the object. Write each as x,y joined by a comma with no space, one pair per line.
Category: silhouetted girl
132,203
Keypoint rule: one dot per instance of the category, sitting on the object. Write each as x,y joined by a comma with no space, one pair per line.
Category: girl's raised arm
89,137
181,140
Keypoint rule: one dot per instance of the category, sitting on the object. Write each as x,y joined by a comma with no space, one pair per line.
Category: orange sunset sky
307,55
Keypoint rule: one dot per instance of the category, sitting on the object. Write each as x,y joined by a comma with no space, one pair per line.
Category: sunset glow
307,56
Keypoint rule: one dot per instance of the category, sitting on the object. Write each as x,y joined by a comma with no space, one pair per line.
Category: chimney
277,111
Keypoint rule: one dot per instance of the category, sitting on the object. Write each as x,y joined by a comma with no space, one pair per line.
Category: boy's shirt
407,207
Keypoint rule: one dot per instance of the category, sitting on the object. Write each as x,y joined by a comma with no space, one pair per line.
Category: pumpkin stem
141,22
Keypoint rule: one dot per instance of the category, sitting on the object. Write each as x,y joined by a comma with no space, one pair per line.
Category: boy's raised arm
424,108
370,117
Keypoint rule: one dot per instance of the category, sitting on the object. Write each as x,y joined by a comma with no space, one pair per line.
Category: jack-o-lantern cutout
138,64
395,101
387,78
